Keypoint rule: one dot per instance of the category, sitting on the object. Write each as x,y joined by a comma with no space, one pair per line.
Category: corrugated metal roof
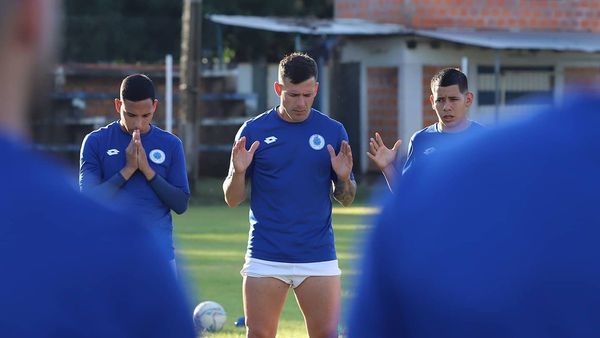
496,39
543,40
310,26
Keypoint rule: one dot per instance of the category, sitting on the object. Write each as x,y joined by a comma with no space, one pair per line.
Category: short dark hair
137,87
297,67
448,77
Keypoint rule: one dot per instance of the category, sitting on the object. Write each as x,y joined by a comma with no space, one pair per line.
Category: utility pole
189,64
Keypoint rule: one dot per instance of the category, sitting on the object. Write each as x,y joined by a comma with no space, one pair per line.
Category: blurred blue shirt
498,237
71,268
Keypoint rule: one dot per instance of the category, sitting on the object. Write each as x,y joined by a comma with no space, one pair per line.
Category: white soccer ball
209,316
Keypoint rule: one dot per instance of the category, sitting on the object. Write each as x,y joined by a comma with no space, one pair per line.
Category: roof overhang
310,26
588,42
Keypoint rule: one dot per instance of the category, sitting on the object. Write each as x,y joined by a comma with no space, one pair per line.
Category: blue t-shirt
431,140
72,268
103,156
291,175
511,249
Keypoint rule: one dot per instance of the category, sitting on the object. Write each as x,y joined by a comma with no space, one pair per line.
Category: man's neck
455,129
284,114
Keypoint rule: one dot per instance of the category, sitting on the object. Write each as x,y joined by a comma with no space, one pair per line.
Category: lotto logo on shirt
157,156
316,141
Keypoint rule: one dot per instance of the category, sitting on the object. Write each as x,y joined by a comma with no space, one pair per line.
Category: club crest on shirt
316,141
157,156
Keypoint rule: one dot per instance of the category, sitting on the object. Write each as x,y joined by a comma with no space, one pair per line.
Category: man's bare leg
264,298
319,300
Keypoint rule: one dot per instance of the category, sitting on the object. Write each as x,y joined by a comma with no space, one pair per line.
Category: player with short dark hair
297,155
139,166
512,247
450,99
70,267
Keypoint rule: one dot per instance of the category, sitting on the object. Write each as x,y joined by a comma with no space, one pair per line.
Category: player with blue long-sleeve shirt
70,267
138,166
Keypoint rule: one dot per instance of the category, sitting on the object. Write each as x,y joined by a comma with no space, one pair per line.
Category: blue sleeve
175,198
89,164
177,174
90,171
410,157
174,190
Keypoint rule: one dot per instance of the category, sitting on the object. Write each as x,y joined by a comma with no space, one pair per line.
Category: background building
376,59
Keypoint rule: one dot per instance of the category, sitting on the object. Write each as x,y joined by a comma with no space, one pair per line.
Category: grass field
211,243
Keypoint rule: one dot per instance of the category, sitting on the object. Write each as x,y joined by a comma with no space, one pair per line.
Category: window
516,84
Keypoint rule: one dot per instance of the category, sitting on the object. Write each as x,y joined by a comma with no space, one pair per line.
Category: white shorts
290,273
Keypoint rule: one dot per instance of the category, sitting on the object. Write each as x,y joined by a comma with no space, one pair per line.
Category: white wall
244,78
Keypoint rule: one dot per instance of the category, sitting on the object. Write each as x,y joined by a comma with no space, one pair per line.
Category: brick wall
569,15
587,76
382,93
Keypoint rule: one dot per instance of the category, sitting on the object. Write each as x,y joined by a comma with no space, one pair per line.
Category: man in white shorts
296,153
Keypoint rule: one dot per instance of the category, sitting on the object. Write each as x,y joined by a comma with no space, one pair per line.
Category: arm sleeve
173,197
90,171
89,164
174,190
410,158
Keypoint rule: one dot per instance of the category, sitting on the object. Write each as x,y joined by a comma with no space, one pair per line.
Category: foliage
146,30
115,30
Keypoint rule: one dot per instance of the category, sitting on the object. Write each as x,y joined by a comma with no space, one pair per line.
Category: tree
146,30
115,30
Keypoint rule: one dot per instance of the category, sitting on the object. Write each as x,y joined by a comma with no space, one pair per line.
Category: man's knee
258,331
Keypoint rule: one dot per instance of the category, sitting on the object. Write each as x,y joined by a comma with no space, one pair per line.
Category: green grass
211,243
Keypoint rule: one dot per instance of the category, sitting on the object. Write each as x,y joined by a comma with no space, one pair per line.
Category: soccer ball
209,316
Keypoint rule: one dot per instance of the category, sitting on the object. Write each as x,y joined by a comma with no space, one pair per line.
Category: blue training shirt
431,140
291,175
512,247
103,156
73,268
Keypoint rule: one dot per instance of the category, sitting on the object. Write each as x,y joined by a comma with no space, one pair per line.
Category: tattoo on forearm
345,192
